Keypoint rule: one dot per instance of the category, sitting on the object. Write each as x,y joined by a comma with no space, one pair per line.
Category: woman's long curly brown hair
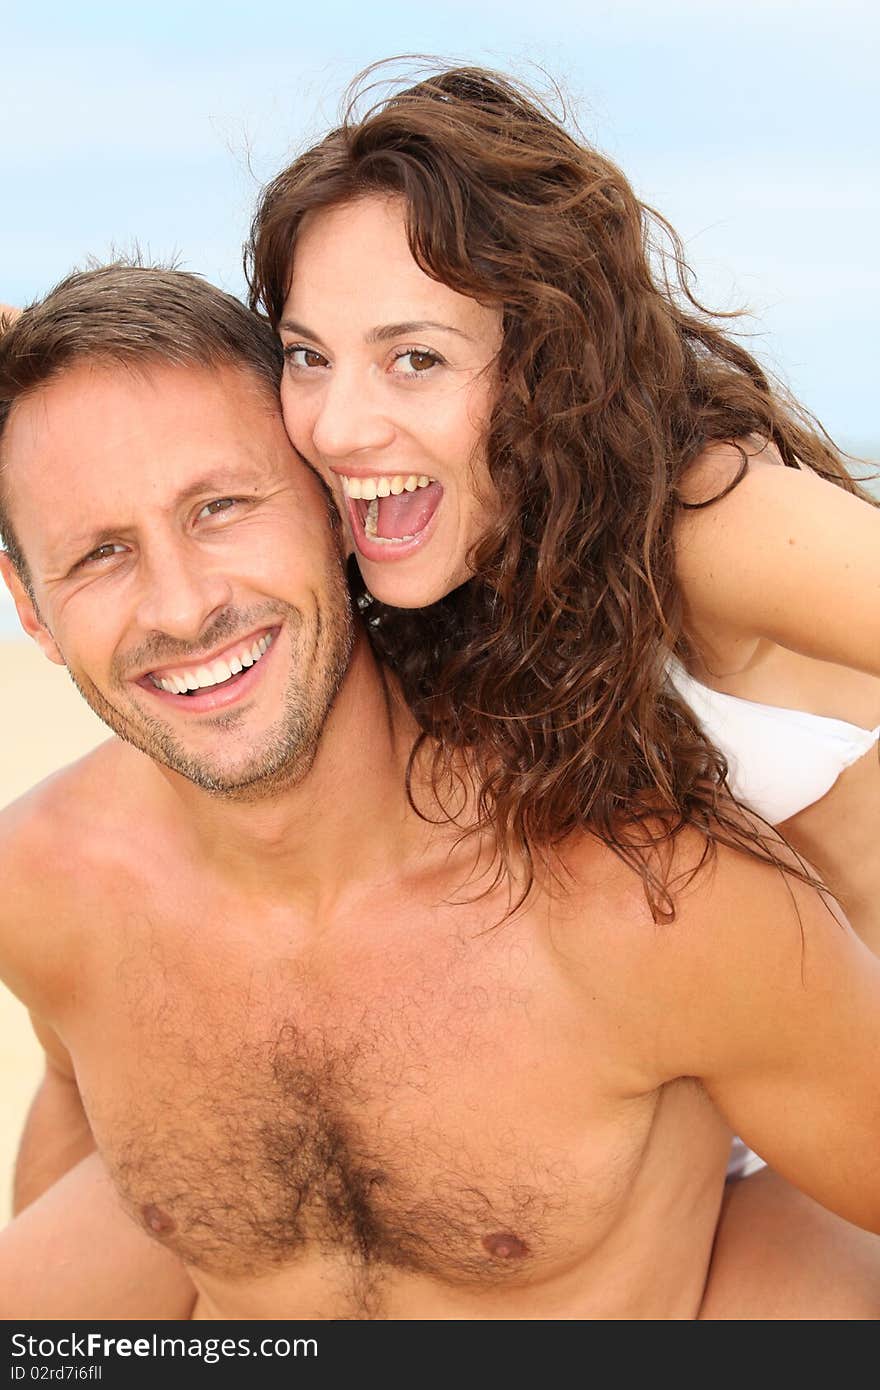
548,667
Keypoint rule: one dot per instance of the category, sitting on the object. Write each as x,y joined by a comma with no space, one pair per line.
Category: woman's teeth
200,677
370,488
371,526
392,508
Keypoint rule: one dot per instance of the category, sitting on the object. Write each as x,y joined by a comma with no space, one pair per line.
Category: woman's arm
72,1252
780,1257
764,994
56,1132
784,556
75,1254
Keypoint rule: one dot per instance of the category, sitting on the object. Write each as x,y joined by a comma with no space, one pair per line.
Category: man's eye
103,552
304,357
416,362
220,504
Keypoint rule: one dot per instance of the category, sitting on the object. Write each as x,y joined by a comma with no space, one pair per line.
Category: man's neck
346,821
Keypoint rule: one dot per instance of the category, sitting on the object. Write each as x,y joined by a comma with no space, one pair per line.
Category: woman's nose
352,418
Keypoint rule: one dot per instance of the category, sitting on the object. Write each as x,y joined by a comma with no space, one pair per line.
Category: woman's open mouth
390,514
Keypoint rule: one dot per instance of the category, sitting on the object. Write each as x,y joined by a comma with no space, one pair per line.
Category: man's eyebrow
74,546
221,483
383,333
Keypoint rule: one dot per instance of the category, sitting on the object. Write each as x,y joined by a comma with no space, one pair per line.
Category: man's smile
211,682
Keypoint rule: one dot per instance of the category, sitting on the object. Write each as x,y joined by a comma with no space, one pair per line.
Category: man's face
176,544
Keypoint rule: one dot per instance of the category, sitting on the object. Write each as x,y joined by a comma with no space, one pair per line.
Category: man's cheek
93,658
276,562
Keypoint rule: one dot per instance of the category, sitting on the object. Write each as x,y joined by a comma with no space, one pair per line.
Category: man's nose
352,418
182,591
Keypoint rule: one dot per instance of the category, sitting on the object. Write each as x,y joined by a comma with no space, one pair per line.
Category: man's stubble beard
288,749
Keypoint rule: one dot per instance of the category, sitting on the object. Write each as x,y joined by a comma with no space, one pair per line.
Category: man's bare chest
412,1094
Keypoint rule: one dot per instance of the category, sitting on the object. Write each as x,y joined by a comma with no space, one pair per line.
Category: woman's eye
304,357
415,362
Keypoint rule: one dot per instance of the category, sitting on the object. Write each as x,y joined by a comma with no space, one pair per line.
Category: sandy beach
46,724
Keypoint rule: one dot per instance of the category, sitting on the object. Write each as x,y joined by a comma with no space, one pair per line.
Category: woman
666,559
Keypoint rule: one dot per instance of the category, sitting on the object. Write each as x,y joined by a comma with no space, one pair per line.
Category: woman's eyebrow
402,330
380,334
291,326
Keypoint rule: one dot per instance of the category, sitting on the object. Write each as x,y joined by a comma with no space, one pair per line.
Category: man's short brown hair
132,315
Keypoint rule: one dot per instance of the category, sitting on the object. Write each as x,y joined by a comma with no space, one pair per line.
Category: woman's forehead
353,261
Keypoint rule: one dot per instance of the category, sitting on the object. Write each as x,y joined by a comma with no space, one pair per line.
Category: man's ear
27,612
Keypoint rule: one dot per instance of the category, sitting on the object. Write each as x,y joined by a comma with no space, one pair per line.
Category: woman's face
388,385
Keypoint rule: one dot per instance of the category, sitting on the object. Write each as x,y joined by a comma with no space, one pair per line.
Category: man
320,1074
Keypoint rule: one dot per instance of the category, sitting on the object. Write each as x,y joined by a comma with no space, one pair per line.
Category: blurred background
753,128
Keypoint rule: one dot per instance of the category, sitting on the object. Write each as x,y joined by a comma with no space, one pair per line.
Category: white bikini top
780,760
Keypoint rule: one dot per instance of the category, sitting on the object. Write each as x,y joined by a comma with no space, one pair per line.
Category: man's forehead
124,386
93,408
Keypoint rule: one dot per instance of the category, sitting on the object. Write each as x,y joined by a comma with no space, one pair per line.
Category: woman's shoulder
721,467
764,550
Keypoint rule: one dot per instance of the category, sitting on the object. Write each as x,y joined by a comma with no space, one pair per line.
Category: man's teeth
370,488
200,677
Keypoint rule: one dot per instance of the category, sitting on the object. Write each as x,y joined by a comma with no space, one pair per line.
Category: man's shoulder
64,829
61,843
721,896
57,804
689,986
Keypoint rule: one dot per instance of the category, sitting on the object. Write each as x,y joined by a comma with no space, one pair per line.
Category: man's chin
247,788
282,763
284,755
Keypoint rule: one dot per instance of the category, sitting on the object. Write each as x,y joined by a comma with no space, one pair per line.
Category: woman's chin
406,586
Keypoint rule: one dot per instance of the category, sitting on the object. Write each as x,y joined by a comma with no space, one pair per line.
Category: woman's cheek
295,421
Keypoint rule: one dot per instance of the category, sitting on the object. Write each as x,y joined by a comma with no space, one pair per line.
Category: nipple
505,1246
157,1220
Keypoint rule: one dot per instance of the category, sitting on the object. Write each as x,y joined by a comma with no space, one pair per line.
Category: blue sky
753,127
